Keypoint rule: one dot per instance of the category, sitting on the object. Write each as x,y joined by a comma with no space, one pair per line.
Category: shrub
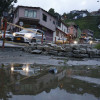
97,46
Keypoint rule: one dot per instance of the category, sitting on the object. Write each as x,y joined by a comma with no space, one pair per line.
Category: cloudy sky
62,6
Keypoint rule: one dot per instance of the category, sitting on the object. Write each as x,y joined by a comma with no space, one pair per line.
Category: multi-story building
60,33
73,31
35,17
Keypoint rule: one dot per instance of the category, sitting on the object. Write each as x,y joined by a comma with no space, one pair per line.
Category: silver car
8,35
28,35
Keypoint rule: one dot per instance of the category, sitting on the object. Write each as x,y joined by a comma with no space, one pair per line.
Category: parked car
28,35
8,35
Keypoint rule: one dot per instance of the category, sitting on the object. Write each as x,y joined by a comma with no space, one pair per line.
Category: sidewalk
10,45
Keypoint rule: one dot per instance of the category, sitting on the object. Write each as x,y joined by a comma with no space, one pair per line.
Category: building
60,33
35,17
72,30
88,33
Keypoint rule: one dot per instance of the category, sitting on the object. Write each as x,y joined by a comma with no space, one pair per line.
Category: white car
28,35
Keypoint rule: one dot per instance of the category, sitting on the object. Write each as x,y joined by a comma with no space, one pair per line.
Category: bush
97,46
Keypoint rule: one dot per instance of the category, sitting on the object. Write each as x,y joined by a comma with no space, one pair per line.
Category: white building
60,33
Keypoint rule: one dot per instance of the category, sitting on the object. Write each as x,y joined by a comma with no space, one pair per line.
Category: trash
53,71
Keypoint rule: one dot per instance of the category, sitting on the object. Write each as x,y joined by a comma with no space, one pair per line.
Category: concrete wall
49,23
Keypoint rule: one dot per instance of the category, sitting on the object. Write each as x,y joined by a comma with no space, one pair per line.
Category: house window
68,30
54,22
44,18
64,30
30,13
16,14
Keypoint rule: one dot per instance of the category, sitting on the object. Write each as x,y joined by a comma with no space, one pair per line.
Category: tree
6,5
64,15
51,11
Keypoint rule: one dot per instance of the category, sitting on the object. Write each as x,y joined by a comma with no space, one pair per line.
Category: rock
68,49
75,47
47,48
82,50
92,52
45,53
52,52
68,54
39,47
36,52
61,54
76,51
81,55
58,48
98,52
52,45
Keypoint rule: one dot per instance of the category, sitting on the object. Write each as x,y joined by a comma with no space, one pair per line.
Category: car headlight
28,35
90,42
75,42
14,34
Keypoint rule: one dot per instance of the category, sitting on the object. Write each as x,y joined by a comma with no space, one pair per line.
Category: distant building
95,13
73,31
88,32
79,11
73,11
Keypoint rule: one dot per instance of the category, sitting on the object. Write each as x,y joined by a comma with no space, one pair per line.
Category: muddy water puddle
44,82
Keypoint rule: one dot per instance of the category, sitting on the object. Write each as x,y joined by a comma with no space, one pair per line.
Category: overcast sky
62,6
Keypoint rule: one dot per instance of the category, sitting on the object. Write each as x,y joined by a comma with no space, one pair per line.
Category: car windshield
27,31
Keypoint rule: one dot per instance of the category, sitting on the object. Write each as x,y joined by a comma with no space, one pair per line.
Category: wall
61,35
49,23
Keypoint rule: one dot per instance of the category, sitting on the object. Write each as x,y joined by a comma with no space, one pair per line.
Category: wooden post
63,41
5,27
42,39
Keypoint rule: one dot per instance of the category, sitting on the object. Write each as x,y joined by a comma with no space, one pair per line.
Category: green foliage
97,46
89,22
51,11
5,5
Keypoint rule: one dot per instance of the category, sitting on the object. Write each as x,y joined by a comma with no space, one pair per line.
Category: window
39,31
30,13
54,22
44,17
64,30
16,14
68,30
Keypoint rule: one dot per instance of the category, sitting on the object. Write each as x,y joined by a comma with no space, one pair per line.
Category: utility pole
5,28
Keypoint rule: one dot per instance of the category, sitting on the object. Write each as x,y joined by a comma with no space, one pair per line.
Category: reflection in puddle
24,69
87,79
35,82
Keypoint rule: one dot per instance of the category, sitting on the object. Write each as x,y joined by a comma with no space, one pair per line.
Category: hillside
89,22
